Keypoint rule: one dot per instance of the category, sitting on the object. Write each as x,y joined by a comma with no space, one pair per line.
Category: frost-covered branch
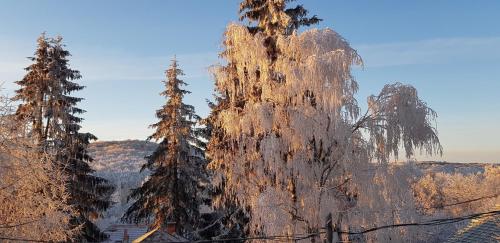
456,193
34,198
398,117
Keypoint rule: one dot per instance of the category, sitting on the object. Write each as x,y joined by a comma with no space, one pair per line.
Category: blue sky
449,50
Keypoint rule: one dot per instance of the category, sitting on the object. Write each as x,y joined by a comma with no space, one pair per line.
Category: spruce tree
46,91
34,89
170,193
273,17
91,195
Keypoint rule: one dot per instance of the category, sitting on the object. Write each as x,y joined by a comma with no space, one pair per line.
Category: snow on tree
171,192
224,221
398,117
436,190
45,93
385,197
32,190
272,17
287,132
395,193
34,87
88,193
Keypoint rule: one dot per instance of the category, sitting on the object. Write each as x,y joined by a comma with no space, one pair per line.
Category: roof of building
157,235
479,230
116,232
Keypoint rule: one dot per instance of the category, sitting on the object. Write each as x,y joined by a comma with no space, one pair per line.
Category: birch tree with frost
287,131
34,200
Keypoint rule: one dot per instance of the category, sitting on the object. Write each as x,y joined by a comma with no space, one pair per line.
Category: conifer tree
34,89
57,128
170,194
91,195
273,17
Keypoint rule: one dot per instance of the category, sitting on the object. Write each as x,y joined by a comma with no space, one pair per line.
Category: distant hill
120,156
120,162
448,167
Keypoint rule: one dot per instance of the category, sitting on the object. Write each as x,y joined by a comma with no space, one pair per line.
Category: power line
434,222
21,239
428,223
463,202
264,237
17,225
424,208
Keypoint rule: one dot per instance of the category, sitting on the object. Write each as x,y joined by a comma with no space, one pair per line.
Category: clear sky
449,50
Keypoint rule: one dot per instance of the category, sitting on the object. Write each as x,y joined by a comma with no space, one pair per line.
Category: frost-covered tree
268,19
171,192
34,199
227,220
481,191
45,92
287,133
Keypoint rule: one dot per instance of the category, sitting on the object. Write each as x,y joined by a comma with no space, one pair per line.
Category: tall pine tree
170,193
46,91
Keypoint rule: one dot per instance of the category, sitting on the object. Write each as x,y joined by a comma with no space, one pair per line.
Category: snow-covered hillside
446,167
120,162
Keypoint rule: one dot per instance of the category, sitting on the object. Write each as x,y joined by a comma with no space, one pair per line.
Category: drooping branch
398,117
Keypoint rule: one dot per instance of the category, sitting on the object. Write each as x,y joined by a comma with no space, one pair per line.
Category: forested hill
120,162
120,156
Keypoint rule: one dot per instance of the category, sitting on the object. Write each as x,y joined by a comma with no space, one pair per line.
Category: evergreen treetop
34,87
273,17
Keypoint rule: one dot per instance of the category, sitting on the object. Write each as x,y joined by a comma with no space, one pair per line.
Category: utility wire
3,226
434,222
264,237
424,208
21,239
463,202
428,223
